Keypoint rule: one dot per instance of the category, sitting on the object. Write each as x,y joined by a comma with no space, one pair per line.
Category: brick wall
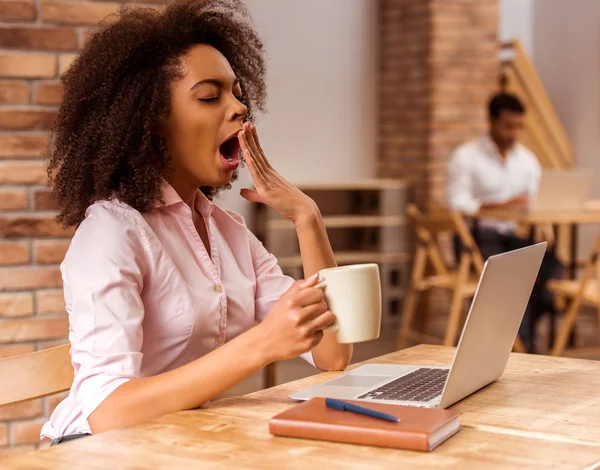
438,68
38,41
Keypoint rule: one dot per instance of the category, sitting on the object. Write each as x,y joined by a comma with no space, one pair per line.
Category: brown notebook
418,428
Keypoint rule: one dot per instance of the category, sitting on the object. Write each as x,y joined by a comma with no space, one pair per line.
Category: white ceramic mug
353,294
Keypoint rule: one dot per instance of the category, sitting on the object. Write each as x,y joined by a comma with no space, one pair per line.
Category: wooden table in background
572,219
543,413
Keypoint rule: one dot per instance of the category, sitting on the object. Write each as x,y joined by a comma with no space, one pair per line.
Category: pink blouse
144,296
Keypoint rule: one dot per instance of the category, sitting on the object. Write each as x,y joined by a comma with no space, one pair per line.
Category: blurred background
367,101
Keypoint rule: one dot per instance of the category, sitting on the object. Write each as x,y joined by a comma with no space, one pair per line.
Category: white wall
567,57
566,54
322,85
516,21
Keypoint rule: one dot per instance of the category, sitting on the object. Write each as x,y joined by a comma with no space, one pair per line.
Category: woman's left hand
271,188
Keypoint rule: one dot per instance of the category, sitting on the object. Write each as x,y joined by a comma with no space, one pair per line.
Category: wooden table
543,413
589,215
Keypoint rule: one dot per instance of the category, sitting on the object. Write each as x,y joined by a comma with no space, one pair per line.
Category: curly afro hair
107,139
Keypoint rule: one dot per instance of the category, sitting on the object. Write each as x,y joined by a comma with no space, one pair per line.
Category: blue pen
343,406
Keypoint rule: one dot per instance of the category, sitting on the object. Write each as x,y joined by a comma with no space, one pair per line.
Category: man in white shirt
496,171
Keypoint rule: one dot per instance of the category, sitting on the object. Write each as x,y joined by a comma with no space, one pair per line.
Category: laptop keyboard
419,385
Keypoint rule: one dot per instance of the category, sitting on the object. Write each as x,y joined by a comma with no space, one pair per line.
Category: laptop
561,190
483,350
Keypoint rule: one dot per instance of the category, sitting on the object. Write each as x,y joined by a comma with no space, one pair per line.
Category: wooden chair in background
35,375
430,270
575,294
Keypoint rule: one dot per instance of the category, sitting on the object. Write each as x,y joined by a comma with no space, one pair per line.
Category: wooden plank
542,217
217,442
345,221
366,184
35,375
536,131
541,414
535,89
351,257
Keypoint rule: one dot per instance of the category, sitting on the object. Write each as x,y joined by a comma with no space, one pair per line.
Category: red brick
29,278
43,200
35,226
64,62
13,199
50,301
16,304
48,93
23,145
23,173
9,350
129,4
86,35
27,119
12,92
17,10
26,410
20,65
45,39
50,251
148,3
81,12
14,253
3,435
436,59
54,401
33,329
27,432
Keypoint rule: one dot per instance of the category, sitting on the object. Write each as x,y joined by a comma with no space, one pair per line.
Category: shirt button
220,340
218,288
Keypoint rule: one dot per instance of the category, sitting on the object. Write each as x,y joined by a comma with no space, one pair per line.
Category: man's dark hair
504,102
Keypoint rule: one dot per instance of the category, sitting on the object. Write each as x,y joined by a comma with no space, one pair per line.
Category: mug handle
332,328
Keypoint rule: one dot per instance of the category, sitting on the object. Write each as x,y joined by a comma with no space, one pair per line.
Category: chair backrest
591,268
468,242
428,226
35,375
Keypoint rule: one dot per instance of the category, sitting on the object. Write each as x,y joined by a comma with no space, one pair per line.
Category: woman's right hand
293,326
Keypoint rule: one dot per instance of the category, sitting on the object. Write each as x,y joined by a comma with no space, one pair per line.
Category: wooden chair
35,375
578,293
43,373
431,271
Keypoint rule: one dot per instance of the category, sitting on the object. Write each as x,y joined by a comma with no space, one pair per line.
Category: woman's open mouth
230,153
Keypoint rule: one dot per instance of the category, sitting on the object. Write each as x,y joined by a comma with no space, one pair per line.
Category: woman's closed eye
212,99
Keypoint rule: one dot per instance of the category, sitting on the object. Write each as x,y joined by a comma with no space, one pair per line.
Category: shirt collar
171,198
492,149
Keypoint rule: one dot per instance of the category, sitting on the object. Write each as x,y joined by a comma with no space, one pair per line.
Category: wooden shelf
360,185
350,257
366,222
345,221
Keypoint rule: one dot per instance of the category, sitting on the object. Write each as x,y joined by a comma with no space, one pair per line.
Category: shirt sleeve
271,283
103,279
460,191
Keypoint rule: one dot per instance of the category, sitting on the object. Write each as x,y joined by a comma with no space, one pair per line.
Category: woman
162,286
